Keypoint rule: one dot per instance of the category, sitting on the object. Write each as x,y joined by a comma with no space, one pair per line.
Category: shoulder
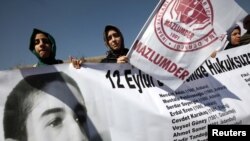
108,59
246,35
104,60
245,39
126,50
59,61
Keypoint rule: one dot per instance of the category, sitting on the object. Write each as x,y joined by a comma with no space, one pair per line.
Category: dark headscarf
229,32
44,61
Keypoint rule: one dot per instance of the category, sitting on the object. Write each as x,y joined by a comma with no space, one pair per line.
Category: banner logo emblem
185,25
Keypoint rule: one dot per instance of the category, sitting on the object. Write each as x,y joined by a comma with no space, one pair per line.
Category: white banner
122,102
179,35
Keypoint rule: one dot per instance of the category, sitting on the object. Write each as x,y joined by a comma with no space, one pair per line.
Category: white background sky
76,25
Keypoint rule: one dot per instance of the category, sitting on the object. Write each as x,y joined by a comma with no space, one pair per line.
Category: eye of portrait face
42,45
52,120
114,40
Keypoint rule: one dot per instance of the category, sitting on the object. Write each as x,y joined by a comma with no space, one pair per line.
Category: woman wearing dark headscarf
43,46
233,36
114,40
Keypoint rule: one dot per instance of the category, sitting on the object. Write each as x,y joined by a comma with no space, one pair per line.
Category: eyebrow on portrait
52,111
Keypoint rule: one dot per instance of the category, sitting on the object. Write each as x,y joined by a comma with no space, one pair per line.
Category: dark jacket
112,55
245,39
44,61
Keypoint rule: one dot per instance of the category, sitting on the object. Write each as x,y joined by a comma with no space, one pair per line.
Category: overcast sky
77,25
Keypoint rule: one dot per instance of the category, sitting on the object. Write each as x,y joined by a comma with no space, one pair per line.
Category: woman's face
235,37
52,120
42,45
114,40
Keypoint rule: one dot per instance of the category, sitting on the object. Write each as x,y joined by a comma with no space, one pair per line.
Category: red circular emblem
185,25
